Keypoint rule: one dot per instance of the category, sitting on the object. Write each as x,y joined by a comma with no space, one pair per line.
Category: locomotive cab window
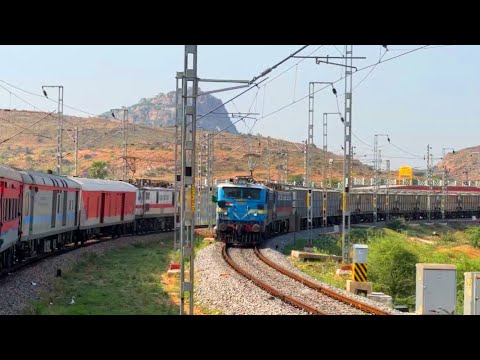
242,193
253,194
232,193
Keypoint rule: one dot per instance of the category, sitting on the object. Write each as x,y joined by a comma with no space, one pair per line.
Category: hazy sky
428,96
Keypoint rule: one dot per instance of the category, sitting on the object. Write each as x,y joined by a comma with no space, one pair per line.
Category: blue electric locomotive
247,212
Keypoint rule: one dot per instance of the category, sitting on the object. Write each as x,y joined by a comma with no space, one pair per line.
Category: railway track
292,288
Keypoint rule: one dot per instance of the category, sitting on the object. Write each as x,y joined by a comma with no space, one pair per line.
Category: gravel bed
247,259
221,288
272,250
19,289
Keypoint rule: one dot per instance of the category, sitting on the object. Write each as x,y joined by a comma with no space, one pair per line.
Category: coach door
54,208
31,198
76,208
65,203
123,207
102,209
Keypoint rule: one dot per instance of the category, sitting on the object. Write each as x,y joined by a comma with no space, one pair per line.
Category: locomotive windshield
242,193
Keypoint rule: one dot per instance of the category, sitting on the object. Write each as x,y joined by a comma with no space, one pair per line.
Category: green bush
448,237
473,236
391,266
397,224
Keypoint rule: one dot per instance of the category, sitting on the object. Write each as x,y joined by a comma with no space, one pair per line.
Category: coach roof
37,178
103,185
9,173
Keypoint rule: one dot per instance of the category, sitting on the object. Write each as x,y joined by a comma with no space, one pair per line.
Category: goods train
247,212
43,212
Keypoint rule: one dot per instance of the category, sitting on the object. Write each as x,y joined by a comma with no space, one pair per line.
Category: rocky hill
159,111
462,164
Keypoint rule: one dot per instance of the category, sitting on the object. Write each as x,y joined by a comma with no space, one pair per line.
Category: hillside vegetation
28,141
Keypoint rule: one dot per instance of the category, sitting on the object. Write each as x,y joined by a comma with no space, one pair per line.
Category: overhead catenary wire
22,127
25,129
328,86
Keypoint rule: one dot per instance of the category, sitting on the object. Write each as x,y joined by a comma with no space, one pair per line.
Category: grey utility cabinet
471,304
436,289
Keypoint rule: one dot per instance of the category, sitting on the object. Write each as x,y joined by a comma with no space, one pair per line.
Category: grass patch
128,280
394,253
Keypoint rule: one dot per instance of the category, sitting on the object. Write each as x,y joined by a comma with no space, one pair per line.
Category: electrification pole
187,227
190,80
59,125
125,129
309,147
76,150
347,154
376,160
429,183
210,164
200,173
305,149
325,165
125,124
387,196
444,182
268,159
177,154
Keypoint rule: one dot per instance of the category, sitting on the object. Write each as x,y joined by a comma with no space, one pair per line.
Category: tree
392,267
98,170
297,178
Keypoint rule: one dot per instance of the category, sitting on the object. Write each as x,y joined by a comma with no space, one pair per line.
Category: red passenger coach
106,207
155,209
10,200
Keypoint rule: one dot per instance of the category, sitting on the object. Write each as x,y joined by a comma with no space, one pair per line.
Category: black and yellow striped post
359,272
359,266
